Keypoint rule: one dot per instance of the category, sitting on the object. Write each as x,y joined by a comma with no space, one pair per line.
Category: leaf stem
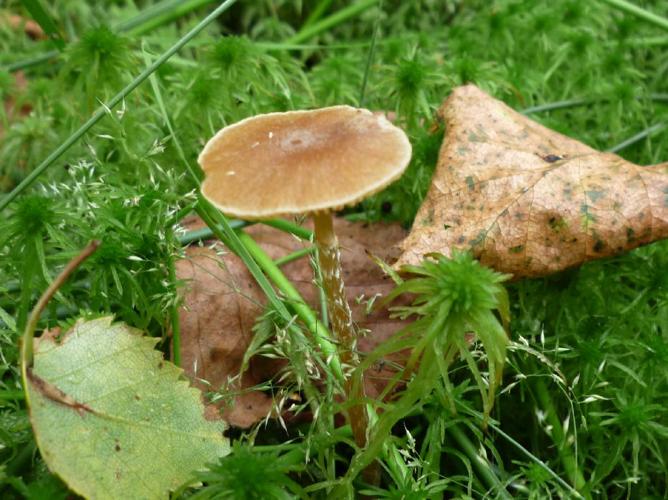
27,342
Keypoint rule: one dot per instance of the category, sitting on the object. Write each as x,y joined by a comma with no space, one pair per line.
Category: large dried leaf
527,200
112,418
222,303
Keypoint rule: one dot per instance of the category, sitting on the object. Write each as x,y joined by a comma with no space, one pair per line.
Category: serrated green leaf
112,418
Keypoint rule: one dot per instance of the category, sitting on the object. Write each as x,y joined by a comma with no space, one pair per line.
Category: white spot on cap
231,172
271,134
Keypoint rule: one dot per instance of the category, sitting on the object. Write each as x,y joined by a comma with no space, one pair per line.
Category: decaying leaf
527,200
222,303
112,418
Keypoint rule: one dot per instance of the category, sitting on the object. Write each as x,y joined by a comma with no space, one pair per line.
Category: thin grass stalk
649,131
317,13
174,307
639,12
568,460
335,19
370,55
482,466
305,313
178,10
571,103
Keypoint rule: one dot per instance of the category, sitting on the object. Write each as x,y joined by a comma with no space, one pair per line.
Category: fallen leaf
527,200
112,418
222,302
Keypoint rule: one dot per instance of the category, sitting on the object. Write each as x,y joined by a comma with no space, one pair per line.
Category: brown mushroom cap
302,161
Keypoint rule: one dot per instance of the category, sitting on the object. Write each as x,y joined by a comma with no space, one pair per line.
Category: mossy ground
587,375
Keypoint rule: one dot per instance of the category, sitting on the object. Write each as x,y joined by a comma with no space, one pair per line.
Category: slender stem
294,256
480,464
631,8
27,343
638,137
571,103
340,315
178,10
339,17
317,13
288,227
33,61
174,307
568,460
206,233
27,275
370,55
283,225
303,311
341,321
226,234
537,461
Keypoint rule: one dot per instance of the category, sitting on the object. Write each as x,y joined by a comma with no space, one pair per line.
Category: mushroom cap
302,161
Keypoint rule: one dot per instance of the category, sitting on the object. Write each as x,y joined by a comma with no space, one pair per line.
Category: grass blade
649,131
630,8
46,22
339,17
372,51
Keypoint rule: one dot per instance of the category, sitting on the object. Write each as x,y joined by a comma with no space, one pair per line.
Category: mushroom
306,162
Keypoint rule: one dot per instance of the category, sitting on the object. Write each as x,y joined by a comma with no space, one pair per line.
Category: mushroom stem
340,317
329,256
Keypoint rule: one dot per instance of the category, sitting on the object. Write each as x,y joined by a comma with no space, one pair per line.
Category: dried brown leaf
527,200
222,302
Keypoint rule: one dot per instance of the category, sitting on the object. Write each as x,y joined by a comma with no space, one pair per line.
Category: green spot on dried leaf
594,196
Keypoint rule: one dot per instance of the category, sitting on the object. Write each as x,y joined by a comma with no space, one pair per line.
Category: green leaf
112,418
